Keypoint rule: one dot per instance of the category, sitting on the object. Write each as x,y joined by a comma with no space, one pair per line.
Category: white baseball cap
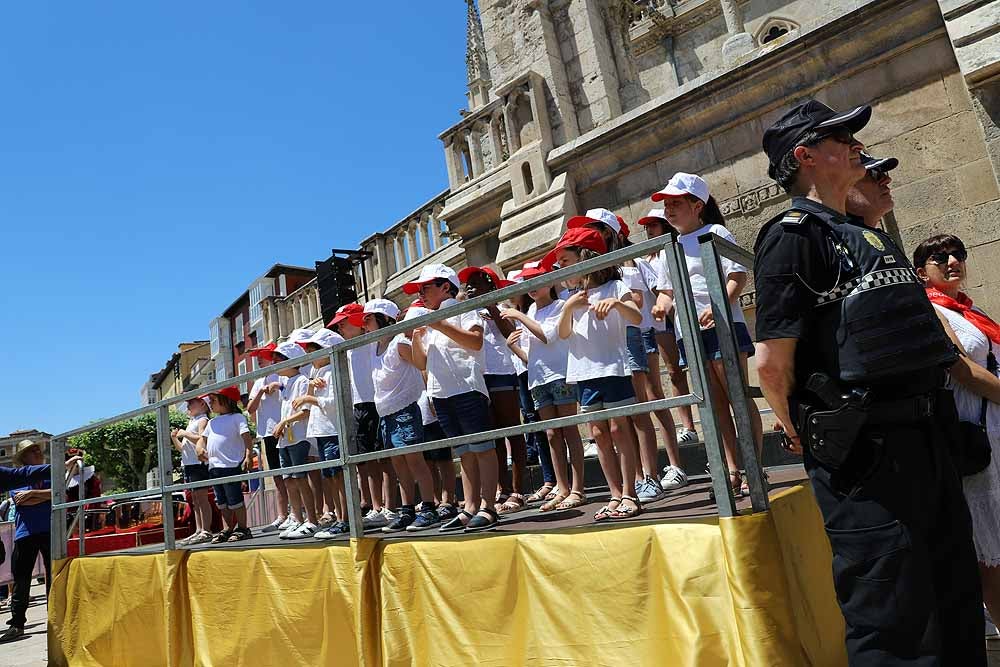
290,349
384,306
657,215
298,336
515,276
684,184
596,215
415,311
430,273
323,337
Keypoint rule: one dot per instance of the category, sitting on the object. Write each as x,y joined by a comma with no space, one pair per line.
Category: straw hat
23,447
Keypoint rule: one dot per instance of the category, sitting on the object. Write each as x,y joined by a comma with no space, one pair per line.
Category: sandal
514,503
604,513
745,487
623,512
541,494
240,534
552,504
480,523
574,499
457,523
735,483
222,537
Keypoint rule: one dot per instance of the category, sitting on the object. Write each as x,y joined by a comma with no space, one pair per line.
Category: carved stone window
774,28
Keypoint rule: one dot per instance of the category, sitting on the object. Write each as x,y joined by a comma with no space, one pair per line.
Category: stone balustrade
477,144
299,309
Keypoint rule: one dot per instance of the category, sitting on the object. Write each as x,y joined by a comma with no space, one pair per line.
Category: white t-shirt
269,408
362,362
546,361
323,417
224,440
597,347
451,368
659,270
295,386
398,383
497,357
699,287
189,456
426,409
642,278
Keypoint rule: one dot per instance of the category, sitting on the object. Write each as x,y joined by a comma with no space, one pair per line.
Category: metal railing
712,247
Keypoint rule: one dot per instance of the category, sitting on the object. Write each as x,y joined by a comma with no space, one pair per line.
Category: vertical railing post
165,466
345,406
695,352
57,534
81,513
736,382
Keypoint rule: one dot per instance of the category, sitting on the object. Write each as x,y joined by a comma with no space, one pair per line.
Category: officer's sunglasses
840,134
942,257
877,174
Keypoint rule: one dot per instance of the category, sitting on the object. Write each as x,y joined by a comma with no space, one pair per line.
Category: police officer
852,359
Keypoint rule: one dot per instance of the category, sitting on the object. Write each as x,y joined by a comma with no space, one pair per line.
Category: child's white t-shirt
497,357
451,368
699,286
426,409
295,386
269,408
546,361
597,347
323,417
642,278
189,455
397,382
362,364
224,440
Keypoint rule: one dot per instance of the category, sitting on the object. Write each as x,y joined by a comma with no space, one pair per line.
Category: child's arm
418,353
178,445
575,302
512,343
470,340
624,305
248,443
531,325
406,353
664,304
734,286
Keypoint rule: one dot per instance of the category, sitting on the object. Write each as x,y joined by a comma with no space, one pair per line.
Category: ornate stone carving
655,20
748,202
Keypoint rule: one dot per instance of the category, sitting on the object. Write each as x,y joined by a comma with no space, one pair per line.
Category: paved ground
31,650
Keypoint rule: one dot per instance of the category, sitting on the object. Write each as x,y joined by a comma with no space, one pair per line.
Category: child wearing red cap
594,320
265,405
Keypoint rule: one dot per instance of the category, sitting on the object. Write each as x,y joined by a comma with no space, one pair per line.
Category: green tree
126,450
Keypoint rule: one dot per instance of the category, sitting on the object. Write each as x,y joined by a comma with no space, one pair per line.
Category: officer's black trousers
904,565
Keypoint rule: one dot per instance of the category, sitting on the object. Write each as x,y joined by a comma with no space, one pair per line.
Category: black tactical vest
876,322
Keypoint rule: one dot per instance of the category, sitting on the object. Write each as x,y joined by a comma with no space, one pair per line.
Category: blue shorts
710,339
432,432
500,382
230,494
649,341
294,455
635,351
403,428
556,392
465,414
196,473
608,392
329,450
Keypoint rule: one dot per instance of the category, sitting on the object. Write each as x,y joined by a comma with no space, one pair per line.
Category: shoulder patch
793,217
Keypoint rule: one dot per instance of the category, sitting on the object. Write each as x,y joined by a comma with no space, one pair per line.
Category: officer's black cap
810,115
880,163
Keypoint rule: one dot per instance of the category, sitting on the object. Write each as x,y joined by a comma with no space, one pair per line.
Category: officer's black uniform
904,563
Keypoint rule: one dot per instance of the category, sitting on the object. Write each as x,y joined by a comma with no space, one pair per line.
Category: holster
830,434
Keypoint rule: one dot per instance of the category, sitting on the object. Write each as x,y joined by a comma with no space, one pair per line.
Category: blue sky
157,157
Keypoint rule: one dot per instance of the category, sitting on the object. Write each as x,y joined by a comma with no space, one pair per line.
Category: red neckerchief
963,306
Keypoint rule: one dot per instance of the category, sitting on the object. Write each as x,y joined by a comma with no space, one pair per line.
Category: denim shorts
365,428
500,382
649,341
608,392
294,455
432,432
635,351
196,473
403,428
710,339
465,414
329,450
228,495
556,392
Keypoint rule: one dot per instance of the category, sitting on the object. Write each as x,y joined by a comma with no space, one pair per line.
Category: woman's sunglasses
942,257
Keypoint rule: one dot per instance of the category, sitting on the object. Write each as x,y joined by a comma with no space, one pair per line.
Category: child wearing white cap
451,351
293,447
692,212
195,470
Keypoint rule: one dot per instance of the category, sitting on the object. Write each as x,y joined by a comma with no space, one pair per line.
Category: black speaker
335,279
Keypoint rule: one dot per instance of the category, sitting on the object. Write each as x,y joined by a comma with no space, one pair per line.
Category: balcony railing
299,309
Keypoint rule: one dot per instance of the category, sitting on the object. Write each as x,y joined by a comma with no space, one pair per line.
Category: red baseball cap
534,272
264,352
232,393
624,230
344,312
468,272
581,237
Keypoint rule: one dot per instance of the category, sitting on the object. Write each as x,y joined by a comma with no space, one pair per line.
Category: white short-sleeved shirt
597,347
659,268
398,383
699,287
451,368
426,409
224,440
497,357
642,278
295,386
546,361
269,409
189,455
323,417
362,363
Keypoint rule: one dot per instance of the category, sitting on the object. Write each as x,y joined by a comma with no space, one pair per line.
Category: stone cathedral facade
576,104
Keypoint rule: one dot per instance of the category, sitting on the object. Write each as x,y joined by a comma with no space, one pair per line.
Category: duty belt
902,410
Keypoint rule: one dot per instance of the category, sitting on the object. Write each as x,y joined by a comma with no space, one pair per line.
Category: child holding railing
195,469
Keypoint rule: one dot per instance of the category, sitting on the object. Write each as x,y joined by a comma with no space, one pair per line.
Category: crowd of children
593,342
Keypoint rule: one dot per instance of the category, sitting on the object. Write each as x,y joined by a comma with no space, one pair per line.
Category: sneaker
404,517
11,633
389,514
327,534
446,511
991,628
292,527
687,437
648,490
673,478
589,449
304,530
276,525
426,518
327,520
287,523
374,520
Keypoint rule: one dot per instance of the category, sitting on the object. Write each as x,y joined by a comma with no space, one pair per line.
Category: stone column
475,151
513,135
739,41
456,175
421,226
411,241
397,243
